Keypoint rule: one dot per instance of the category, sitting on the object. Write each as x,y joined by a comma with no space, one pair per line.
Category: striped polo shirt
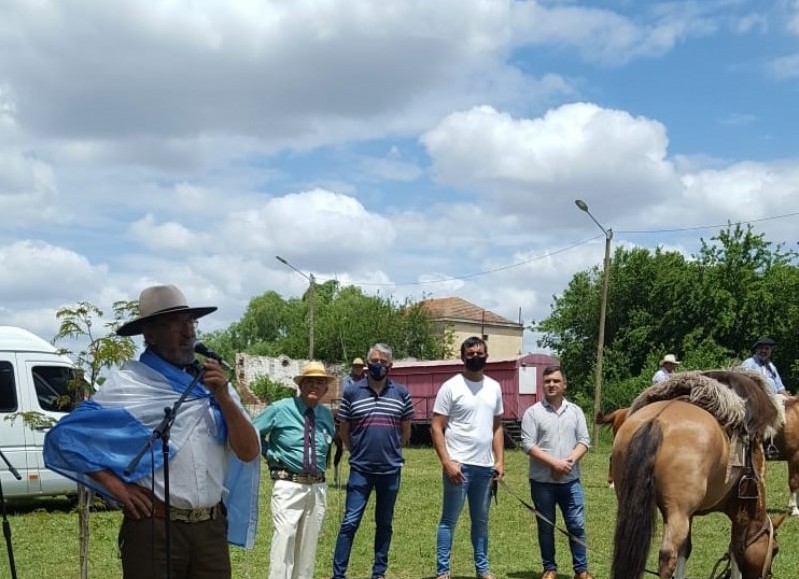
375,425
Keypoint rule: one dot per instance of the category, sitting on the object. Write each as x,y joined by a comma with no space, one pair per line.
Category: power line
484,272
568,248
698,227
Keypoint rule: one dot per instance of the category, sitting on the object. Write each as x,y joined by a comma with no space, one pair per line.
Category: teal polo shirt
282,430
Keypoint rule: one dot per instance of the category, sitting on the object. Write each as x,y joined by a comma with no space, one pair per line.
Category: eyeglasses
180,325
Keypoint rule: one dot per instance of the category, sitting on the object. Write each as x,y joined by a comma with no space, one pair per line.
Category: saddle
742,404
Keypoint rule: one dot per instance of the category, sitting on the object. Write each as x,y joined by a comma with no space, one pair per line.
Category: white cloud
785,67
392,167
608,37
185,69
34,271
743,191
27,187
575,150
792,22
315,230
168,236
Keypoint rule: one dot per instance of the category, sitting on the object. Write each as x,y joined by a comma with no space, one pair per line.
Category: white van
33,376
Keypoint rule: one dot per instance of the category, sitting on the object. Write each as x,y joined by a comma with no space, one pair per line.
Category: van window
8,388
52,387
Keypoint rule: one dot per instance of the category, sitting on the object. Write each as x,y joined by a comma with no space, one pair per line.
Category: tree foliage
346,323
100,350
269,390
707,309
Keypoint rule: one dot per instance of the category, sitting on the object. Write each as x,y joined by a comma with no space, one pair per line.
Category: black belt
295,477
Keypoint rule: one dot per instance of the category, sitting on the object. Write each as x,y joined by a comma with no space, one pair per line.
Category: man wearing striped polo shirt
375,419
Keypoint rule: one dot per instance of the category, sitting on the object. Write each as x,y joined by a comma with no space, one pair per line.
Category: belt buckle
198,515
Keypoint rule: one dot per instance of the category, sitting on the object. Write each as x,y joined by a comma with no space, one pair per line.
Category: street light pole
600,348
311,310
311,303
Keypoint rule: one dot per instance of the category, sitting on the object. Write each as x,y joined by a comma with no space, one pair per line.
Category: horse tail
604,418
635,519
615,419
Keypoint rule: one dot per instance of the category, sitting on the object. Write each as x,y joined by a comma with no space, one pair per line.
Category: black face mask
476,363
378,371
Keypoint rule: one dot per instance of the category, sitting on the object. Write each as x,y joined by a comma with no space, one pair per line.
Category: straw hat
358,362
671,359
314,369
157,301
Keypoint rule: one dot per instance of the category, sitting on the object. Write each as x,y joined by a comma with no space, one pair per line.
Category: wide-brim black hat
157,301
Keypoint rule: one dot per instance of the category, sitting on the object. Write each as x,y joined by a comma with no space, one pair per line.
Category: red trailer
520,377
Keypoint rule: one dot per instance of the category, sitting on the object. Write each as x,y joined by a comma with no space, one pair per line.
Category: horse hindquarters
636,494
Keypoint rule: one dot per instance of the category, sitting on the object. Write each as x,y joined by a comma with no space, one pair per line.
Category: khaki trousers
298,511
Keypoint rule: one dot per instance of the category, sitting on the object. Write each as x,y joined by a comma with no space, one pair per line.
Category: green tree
103,351
269,391
346,323
707,309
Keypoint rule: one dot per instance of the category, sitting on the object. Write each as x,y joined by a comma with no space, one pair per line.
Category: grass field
45,535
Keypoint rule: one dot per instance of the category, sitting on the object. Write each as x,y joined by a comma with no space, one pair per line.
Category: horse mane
739,400
764,414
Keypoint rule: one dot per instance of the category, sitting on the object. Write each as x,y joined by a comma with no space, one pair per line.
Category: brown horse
673,455
339,452
787,444
615,419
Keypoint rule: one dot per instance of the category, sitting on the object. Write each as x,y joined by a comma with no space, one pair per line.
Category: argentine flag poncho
108,430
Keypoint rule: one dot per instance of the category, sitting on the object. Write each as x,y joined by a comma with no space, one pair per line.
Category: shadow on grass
511,575
62,504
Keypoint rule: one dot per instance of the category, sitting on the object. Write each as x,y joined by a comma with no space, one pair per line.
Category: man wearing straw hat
357,373
212,448
297,433
667,366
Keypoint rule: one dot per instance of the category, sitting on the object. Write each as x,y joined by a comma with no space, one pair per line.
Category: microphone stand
162,431
6,525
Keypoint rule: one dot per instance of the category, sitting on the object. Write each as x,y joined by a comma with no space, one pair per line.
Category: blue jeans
569,497
359,487
476,487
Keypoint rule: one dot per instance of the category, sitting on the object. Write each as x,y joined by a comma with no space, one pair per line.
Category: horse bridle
768,527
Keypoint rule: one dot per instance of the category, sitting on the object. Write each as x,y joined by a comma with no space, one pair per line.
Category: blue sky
403,145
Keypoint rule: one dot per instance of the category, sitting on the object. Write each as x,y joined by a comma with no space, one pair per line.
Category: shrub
269,391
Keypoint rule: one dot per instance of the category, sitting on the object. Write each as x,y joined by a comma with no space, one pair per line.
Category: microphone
203,350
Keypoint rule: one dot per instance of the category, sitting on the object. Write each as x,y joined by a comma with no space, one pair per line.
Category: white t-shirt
470,408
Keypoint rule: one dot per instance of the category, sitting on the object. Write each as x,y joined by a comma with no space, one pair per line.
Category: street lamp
311,291
600,347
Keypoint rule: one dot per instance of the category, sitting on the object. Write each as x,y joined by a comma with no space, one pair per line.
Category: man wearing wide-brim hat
760,361
296,435
357,373
212,448
667,365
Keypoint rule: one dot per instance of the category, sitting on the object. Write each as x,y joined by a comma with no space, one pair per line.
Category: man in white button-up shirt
213,449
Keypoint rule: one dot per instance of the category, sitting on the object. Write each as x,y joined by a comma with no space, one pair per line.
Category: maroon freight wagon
520,377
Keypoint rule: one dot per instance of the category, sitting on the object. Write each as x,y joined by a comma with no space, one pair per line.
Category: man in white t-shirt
468,438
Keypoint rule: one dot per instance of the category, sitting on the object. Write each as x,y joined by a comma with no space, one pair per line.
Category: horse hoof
612,486
795,512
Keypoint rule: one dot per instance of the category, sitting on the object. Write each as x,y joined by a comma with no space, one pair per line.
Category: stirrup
772,452
747,487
